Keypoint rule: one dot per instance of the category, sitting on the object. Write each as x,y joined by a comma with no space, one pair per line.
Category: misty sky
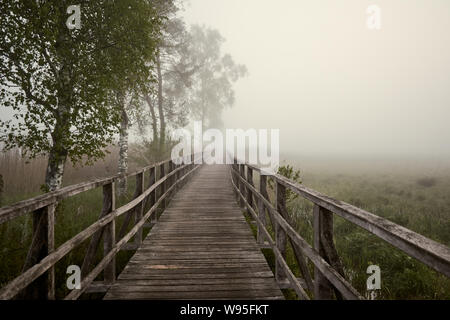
332,85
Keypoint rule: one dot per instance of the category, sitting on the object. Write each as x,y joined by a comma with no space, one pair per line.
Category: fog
331,85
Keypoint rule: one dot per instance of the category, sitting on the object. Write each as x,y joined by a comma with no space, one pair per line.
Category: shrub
426,182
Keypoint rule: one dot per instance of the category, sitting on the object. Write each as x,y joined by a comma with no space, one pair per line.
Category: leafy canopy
60,83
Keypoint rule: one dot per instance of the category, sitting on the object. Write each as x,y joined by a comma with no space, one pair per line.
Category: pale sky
331,85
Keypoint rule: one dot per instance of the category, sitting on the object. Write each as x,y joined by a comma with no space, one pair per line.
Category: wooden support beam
37,278
131,215
163,187
280,234
250,181
98,287
152,196
109,237
129,247
261,209
171,180
139,209
241,184
322,287
42,244
108,202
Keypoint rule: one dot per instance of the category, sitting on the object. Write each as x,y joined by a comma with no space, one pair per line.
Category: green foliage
60,83
289,172
73,215
399,199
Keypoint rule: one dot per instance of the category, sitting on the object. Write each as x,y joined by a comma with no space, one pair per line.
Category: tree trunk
154,120
58,153
203,118
1,190
123,151
55,169
162,120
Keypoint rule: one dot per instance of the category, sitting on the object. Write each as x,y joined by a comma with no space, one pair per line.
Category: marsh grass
395,195
73,215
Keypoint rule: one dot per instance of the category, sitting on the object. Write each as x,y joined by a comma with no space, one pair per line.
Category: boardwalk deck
201,248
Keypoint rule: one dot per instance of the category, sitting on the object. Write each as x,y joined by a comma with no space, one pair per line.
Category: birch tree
171,70
212,89
60,83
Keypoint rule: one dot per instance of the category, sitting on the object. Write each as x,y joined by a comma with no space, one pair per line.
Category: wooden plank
42,244
261,208
206,295
332,275
248,280
95,240
32,273
201,244
109,239
75,294
197,276
139,209
322,287
280,234
163,187
152,196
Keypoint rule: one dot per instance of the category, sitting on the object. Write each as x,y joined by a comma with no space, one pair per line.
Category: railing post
172,178
43,244
280,234
1,190
162,174
237,181
323,221
176,176
138,213
109,237
152,196
241,184
250,181
261,208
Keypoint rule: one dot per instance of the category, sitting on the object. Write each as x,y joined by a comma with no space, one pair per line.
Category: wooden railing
38,277
329,280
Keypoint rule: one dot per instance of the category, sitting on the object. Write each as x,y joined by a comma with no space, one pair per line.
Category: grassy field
22,180
414,194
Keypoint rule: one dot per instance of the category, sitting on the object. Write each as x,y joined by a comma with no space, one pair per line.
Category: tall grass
22,177
417,199
22,180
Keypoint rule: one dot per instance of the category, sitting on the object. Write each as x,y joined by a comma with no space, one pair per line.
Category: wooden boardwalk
201,248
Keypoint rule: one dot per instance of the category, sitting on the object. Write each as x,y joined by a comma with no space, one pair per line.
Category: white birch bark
55,171
123,152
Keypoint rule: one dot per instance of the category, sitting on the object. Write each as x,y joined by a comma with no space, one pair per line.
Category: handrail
431,253
106,223
22,207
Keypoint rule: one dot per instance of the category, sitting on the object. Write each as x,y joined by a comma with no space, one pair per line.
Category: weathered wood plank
201,244
109,237
332,275
32,273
